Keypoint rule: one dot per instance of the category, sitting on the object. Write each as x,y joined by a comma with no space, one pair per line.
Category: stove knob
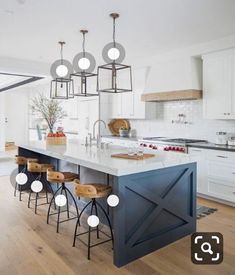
145,145
182,150
169,148
154,147
173,148
177,148
150,146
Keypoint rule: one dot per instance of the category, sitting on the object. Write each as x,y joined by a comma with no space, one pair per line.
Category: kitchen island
157,195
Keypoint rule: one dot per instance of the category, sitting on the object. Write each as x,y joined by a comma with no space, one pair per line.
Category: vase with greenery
50,110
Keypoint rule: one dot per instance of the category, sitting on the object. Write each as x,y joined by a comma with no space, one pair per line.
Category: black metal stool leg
67,202
78,222
29,199
107,217
36,203
71,195
16,186
58,215
89,243
96,212
20,189
52,200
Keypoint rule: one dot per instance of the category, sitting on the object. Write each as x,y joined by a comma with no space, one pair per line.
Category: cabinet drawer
221,190
221,156
224,170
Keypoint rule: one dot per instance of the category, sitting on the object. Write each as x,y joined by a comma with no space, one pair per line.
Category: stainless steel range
167,144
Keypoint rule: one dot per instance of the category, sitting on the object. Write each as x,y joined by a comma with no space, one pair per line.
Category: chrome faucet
97,121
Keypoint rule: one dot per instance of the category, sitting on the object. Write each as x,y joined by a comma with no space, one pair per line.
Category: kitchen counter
101,160
122,138
157,196
213,146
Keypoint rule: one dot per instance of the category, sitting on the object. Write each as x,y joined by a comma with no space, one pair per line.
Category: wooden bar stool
92,191
22,161
61,178
39,169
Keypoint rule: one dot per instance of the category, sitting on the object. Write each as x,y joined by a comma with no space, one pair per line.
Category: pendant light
114,77
62,85
83,64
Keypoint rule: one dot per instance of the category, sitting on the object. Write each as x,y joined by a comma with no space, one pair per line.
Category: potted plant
123,132
52,112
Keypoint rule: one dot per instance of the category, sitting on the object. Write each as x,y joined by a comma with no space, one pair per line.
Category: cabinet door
216,87
117,105
198,155
232,81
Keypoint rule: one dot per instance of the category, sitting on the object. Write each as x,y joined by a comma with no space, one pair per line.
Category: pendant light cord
83,44
114,32
61,53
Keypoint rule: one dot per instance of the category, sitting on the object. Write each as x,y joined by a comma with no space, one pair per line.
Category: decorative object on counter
58,138
52,112
181,119
116,124
231,140
132,133
121,76
83,64
124,132
62,86
221,138
133,157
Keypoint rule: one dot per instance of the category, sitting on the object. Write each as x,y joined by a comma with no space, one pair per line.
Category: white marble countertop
101,160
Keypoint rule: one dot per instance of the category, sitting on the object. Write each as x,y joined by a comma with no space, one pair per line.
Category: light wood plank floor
29,246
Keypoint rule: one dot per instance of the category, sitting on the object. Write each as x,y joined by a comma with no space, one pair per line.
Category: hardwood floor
29,246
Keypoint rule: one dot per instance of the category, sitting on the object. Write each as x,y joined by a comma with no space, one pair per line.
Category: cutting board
134,157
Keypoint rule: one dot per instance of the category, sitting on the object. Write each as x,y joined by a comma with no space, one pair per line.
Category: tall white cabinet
219,85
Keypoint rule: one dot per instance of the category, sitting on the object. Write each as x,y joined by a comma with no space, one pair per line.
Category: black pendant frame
69,88
84,76
114,67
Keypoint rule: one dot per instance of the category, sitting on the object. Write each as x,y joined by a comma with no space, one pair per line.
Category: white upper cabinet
128,104
219,85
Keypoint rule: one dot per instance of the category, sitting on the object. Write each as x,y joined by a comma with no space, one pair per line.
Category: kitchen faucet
97,121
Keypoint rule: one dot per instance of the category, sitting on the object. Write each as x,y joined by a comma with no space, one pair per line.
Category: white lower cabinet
215,173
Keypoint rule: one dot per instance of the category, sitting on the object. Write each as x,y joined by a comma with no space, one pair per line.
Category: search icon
208,249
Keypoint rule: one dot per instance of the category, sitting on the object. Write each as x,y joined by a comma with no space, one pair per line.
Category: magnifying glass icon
206,247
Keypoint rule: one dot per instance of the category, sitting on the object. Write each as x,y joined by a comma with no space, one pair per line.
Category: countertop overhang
100,159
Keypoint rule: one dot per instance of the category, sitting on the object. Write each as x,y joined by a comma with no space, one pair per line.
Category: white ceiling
8,80
30,29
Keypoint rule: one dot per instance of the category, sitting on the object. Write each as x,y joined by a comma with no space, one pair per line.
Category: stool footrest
92,230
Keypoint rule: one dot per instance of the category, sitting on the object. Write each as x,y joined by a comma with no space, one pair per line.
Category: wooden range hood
190,94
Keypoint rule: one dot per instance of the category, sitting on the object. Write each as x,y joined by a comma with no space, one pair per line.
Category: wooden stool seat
60,177
20,160
35,167
92,190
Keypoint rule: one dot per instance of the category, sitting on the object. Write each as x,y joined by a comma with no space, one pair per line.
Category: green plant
50,109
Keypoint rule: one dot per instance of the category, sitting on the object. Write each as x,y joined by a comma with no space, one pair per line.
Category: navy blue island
157,196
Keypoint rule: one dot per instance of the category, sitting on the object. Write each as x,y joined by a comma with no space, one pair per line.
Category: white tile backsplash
197,126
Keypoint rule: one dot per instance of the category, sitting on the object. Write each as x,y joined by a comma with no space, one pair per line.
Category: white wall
2,122
197,127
